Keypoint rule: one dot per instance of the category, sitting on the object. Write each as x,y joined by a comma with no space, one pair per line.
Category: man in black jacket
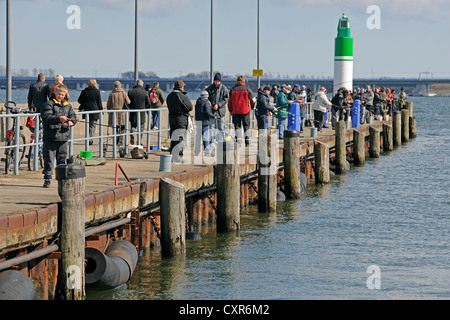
38,93
57,117
139,99
263,108
179,107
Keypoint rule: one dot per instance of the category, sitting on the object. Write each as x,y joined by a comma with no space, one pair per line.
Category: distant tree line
24,72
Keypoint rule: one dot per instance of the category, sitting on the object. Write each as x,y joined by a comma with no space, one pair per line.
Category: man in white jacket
320,106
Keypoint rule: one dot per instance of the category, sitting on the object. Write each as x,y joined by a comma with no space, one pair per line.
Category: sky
296,37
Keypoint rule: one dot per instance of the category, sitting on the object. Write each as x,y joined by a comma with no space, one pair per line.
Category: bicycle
10,138
31,124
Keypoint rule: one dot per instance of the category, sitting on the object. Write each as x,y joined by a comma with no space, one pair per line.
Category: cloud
430,10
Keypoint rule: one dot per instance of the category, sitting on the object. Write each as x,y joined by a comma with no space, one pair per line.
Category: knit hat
218,77
178,84
266,88
204,94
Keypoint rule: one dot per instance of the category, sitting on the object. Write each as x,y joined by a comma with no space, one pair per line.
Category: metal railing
107,133
113,132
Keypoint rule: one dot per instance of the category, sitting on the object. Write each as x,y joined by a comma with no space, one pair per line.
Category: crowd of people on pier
210,110
379,103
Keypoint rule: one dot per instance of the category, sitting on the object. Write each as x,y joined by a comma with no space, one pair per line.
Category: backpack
153,96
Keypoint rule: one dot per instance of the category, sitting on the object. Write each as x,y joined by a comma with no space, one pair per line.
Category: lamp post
8,59
136,72
257,51
212,41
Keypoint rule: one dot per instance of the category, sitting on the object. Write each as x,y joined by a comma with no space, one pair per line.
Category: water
392,213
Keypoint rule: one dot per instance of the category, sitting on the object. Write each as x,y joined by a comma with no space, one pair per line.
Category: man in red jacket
239,104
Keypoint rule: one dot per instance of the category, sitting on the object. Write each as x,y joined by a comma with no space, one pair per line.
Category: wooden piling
71,189
409,107
405,125
173,217
374,139
322,163
267,172
397,129
340,147
359,148
388,144
412,128
228,187
291,159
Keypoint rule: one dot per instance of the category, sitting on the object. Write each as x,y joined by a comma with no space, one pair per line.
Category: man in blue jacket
203,117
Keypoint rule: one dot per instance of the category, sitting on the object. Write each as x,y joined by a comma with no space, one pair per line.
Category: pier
32,218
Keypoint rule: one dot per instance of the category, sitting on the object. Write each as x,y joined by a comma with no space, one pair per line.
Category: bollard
322,163
397,129
228,187
341,156
71,189
173,217
359,148
267,171
388,144
409,107
165,162
291,159
374,138
412,128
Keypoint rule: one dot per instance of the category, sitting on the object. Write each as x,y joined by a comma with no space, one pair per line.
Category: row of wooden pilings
172,198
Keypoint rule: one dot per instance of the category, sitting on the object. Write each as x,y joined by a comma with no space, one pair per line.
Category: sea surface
378,232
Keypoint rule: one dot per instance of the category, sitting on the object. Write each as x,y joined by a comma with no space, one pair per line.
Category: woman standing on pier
91,100
117,99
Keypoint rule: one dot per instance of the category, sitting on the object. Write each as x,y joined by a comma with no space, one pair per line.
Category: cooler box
294,117
355,113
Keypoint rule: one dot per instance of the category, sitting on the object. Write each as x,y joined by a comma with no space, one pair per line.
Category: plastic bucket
313,132
86,154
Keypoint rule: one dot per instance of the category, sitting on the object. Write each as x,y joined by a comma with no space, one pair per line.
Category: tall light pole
257,53
136,72
212,42
8,59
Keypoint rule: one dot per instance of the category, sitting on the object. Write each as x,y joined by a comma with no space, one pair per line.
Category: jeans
202,135
155,119
217,126
280,126
362,114
302,119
